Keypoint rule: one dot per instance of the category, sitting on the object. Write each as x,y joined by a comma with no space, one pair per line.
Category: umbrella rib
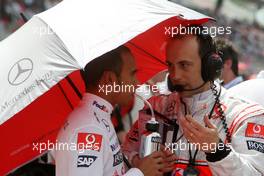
154,57
23,17
64,94
76,90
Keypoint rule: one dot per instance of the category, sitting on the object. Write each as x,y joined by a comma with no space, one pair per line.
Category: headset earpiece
170,84
212,65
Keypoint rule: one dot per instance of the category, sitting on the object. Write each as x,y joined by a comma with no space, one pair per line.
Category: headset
211,64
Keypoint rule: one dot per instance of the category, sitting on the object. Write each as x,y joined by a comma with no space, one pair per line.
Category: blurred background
10,10
245,17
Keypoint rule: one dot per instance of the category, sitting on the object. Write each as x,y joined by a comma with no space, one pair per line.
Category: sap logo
102,107
85,160
118,158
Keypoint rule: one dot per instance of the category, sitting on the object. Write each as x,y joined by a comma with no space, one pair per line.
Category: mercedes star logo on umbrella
20,71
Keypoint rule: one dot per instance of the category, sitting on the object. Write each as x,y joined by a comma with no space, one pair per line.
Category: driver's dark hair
110,61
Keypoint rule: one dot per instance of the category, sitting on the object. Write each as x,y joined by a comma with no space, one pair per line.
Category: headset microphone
180,88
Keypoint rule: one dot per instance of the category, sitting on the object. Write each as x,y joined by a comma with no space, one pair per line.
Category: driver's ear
109,77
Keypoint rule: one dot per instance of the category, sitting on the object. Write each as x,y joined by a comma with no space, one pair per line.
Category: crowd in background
10,18
249,40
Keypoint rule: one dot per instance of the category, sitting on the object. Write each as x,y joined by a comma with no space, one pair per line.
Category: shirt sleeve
247,150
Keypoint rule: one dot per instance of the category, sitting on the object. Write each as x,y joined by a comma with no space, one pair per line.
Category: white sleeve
89,158
247,151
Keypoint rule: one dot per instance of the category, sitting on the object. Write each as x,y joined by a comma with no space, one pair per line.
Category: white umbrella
66,37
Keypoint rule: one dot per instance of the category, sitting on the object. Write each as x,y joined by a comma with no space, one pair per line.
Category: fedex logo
89,141
102,107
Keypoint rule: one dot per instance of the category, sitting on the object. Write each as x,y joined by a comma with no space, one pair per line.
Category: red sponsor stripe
89,141
240,120
238,113
255,130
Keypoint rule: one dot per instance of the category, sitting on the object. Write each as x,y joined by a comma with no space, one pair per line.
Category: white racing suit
245,121
93,147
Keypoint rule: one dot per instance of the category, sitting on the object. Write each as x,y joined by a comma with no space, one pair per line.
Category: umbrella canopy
35,97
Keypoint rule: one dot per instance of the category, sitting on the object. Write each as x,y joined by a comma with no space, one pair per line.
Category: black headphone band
211,60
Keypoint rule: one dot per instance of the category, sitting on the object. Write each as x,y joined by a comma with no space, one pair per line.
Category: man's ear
109,78
228,63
